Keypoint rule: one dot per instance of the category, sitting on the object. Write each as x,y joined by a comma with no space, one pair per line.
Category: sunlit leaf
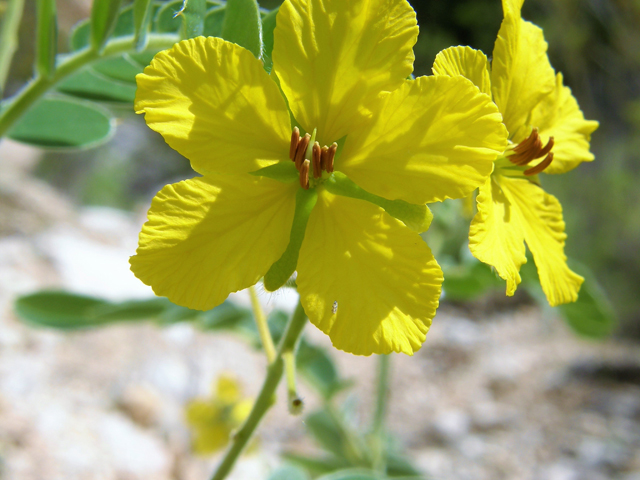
104,15
242,25
64,122
142,12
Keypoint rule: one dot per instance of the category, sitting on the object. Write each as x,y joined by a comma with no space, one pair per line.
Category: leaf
318,369
282,171
166,20
68,311
213,21
316,465
400,466
192,13
592,315
47,38
268,26
104,15
352,474
80,36
61,122
122,68
91,85
289,472
242,25
142,12
326,432
468,280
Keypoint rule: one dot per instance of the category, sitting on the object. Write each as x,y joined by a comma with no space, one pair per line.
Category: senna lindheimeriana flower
547,133
272,200
214,419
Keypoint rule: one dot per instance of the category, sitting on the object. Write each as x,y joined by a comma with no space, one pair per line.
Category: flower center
305,152
530,149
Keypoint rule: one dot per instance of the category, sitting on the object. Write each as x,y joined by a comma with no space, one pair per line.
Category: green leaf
213,21
47,38
104,16
123,68
68,311
326,432
316,465
352,474
416,217
284,267
592,315
289,472
285,172
80,36
167,19
92,85
268,26
400,466
468,280
193,13
317,367
242,25
142,12
61,122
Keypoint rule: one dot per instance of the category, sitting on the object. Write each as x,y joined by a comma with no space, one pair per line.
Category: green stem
266,396
378,430
9,38
69,64
263,326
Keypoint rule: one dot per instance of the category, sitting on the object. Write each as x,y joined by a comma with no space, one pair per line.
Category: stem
266,397
9,38
295,402
263,326
378,430
69,64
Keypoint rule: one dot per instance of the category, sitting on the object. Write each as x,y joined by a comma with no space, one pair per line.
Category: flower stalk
263,326
266,396
378,430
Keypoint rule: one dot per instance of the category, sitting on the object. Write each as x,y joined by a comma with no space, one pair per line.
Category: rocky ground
503,395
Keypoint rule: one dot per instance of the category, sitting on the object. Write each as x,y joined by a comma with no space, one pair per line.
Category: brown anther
324,156
317,159
530,149
301,150
304,174
541,166
295,138
332,153
527,142
547,148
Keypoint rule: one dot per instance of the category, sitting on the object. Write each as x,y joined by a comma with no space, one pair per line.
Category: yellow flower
214,420
340,69
547,131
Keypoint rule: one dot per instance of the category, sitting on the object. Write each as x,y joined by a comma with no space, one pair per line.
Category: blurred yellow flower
547,132
213,420
364,278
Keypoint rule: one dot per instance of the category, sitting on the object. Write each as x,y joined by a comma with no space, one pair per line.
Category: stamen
295,138
332,153
317,160
324,157
304,174
541,166
526,143
301,150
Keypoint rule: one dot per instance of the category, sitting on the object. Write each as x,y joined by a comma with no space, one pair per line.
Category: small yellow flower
340,69
214,420
547,132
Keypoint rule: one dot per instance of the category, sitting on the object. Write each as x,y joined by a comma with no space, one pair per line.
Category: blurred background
502,389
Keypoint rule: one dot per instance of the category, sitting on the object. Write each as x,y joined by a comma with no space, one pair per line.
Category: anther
317,160
295,138
547,147
304,174
301,150
332,153
528,142
324,157
541,166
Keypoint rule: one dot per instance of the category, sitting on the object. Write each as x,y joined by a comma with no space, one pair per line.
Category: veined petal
465,61
495,236
334,57
540,218
521,74
559,116
365,279
210,236
213,102
434,138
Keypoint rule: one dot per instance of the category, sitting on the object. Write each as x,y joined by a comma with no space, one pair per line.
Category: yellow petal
559,116
227,390
495,237
213,102
465,61
434,138
210,236
521,74
365,279
540,217
333,58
